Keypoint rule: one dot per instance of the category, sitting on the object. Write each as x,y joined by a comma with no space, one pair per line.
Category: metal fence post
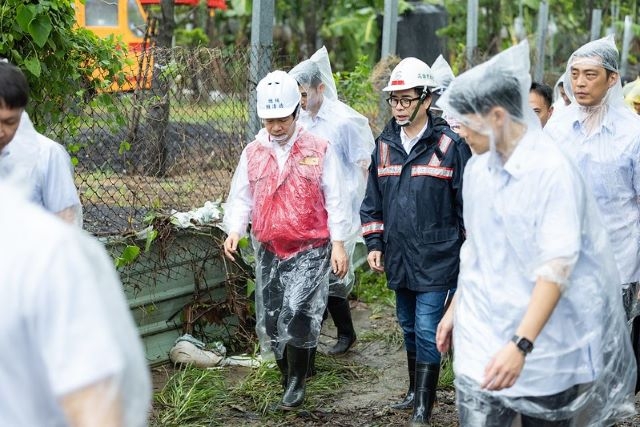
627,37
389,28
472,30
543,16
262,17
596,23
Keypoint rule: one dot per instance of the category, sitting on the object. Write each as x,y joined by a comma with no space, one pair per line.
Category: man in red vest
287,184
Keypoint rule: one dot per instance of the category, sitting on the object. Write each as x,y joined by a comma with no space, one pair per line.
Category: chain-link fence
173,143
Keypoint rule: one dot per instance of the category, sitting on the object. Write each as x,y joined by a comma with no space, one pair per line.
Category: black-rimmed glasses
405,102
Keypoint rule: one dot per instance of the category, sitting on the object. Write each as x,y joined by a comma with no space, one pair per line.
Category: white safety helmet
409,73
278,95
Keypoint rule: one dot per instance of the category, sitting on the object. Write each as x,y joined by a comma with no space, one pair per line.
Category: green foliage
446,372
191,397
371,287
191,38
129,254
496,20
355,88
194,397
59,59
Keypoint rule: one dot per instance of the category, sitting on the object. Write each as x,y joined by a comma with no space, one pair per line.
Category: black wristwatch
523,344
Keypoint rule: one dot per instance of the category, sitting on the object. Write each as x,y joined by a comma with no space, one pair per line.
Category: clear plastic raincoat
43,169
558,100
603,138
66,329
529,218
349,133
443,75
293,196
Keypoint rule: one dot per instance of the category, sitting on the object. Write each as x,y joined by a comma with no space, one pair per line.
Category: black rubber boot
341,315
407,402
426,383
298,365
282,366
312,362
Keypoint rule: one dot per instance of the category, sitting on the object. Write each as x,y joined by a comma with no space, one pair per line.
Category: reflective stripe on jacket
412,210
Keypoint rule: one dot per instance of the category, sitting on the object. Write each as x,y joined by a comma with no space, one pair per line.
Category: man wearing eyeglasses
412,216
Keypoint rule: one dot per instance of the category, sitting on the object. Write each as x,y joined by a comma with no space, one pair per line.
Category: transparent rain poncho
349,133
529,216
67,332
296,205
43,169
603,139
443,75
558,100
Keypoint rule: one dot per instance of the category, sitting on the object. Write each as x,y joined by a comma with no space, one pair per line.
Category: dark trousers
291,297
480,409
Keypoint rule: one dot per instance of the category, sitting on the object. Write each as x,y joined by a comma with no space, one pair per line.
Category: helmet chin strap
423,96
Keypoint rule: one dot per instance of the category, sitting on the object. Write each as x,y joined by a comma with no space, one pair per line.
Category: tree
61,61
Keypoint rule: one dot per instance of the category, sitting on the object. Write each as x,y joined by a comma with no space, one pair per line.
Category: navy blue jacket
412,209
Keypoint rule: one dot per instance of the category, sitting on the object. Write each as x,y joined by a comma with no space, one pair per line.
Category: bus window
101,13
137,23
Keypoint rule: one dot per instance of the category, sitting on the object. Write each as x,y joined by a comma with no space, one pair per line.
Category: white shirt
43,168
609,160
350,134
240,201
532,219
64,320
407,142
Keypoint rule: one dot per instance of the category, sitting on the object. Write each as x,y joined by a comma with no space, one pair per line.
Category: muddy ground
365,401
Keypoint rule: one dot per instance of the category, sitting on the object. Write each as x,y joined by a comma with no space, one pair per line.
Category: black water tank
417,32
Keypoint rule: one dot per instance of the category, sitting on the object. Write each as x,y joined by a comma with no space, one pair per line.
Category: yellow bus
125,19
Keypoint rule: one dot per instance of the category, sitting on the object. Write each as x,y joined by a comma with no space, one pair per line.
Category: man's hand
375,261
231,245
444,331
339,259
504,369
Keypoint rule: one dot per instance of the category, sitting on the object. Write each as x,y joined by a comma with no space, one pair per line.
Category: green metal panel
162,281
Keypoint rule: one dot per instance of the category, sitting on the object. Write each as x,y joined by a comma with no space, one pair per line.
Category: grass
195,397
228,113
392,339
190,398
371,288
446,372
187,190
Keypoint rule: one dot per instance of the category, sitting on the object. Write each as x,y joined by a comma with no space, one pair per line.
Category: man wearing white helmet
412,214
288,184
349,133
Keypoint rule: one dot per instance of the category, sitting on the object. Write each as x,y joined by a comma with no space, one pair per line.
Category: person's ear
612,79
497,117
321,88
427,101
550,111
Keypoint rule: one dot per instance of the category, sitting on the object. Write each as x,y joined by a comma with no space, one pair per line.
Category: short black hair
475,94
311,78
14,89
544,91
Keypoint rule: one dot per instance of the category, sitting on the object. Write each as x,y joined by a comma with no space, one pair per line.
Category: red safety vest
289,213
